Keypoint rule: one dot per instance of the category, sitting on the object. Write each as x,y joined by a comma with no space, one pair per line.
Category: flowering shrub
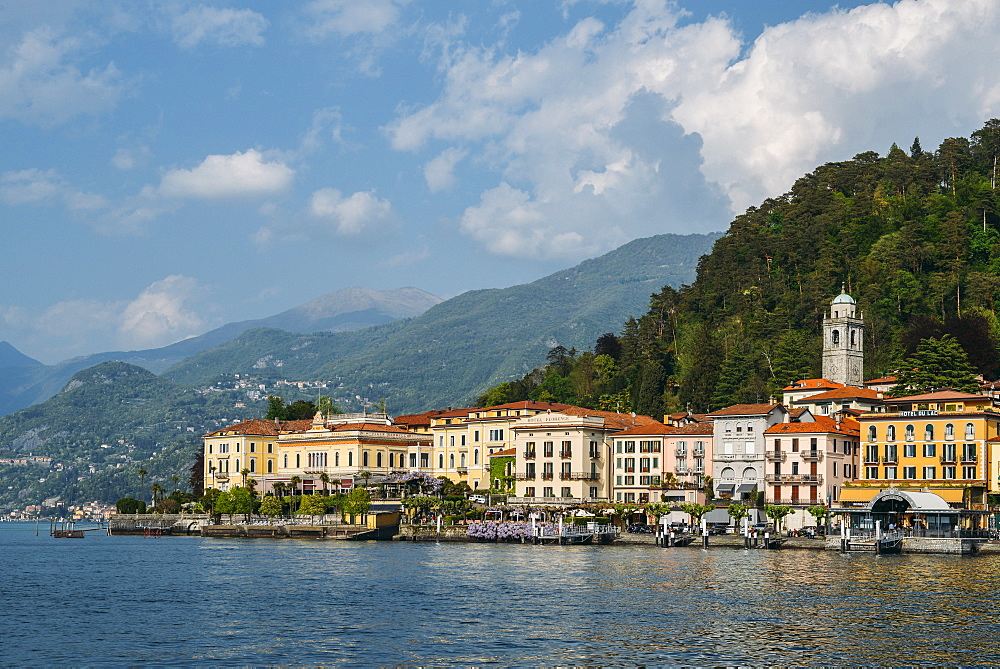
501,531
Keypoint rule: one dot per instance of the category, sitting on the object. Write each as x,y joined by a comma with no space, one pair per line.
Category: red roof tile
846,392
848,426
653,428
804,384
745,410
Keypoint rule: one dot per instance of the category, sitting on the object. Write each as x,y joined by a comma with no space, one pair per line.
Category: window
253,465
336,459
890,433
834,468
909,450
949,431
795,468
629,464
909,472
618,480
871,433
970,431
425,460
630,447
440,460
285,465
749,427
270,466
475,435
739,427
496,435
567,449
928,432
890,453
529,491
930,472
968,452
461,459
475,456
836,337
871,453
364,459
441,441
548,492
947,452
413,460
890,472
451,440
566,492
909,433
644,465
210,448
871,473
223,448
930,450
968,472
378,459
253,447
948,472
618,447
547,448
392,460
795,445
451,461
750,447
462,440
729,473
350,458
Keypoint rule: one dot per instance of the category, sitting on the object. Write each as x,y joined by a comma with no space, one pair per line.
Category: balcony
871,459
682,452
524,476
529,455
547,476
698,453
595,455
681,470
793,478
584,476
949,458
565,454
968,458
565,476
462,471
775,456
812,456
890,460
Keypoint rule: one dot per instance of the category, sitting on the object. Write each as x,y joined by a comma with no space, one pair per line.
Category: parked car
639,528
478,498
718,528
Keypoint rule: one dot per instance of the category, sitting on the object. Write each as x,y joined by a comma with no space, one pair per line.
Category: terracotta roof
695,428
846,392
797,411
418,418
264,427
527,404
505,453
884,379
621,421
745,410
939,396
804,384
848,426
653,428
370,427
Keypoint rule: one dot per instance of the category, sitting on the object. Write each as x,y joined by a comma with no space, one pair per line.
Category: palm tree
156,488
244,473
142,479
295,481
365,475
176,480
325,478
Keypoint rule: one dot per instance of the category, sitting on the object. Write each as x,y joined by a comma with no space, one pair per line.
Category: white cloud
45,187
440,171
161,314
246,174
351,216
128,158
605,125
225,27
41,82
350,17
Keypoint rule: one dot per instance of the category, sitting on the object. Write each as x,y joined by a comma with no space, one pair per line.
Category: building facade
843,342
739,446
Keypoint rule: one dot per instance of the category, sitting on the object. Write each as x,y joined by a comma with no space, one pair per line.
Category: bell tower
843,342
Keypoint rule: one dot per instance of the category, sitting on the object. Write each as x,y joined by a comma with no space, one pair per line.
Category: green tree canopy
937,363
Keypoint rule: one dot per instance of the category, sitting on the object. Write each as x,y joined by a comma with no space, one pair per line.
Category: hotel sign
918,414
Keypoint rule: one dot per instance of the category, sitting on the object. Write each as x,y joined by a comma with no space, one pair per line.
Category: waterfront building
738,456
809,462
639,452
346,449
250,445
843,342
846,398
502,465
804,388
565,456
687,459
936,442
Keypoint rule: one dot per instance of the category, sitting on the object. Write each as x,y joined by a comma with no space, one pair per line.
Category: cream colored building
251,445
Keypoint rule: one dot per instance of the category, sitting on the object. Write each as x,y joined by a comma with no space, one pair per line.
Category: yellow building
250,445
938,442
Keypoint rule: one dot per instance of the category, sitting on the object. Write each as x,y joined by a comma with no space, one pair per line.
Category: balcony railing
565,454
682,452
948,458
583,476
524,476
547,476
529,455
794,501
698,453
968,457
681,470
812,456
793,478
462,471
565,476
595,455
890,460
775,456
871,459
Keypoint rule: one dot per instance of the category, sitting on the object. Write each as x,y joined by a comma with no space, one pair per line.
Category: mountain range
25,381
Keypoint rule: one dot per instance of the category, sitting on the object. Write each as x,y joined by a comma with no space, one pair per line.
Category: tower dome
843,298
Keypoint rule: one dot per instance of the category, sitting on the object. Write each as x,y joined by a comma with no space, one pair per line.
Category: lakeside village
835,453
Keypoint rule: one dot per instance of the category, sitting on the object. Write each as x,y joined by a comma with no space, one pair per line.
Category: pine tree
937,363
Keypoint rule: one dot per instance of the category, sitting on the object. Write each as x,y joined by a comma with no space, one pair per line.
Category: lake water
191,601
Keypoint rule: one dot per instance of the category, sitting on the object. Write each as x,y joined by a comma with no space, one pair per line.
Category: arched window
836,337
928,432
852,339
440,460
298,460
270,466
949,432
364,459
253,465
350,458
909,432
378,459
475,457
451,440
336,459
739,426
890,433
970,431
238,465
461,459
872,435
451,461
285,465
749,474
729,473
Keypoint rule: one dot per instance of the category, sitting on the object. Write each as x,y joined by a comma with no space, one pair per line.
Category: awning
745,487
725,487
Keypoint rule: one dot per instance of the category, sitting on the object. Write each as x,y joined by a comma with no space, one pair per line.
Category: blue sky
169,167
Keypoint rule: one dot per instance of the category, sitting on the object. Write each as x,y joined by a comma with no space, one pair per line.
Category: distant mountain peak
11,357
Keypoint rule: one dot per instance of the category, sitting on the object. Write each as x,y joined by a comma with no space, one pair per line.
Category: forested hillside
912,235
109,422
